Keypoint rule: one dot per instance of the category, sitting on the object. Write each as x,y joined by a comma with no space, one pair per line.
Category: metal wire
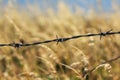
58,40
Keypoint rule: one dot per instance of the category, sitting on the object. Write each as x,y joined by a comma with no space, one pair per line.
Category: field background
65,61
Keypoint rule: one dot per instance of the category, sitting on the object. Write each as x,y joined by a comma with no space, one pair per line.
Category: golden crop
66,61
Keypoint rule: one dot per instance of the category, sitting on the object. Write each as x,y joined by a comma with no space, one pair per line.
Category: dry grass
66,61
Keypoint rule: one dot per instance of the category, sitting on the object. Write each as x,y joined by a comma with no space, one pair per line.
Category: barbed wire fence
60,40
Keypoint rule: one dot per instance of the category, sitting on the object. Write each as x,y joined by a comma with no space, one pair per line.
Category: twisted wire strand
58,40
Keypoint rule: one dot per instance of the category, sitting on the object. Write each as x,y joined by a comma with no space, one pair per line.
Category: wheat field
69,60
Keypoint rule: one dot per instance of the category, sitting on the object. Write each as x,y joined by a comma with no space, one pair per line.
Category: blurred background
86,5
39,20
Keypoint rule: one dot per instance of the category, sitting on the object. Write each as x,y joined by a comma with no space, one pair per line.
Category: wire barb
58,40
16,45
104,33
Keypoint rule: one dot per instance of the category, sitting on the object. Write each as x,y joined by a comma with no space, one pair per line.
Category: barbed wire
58,40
